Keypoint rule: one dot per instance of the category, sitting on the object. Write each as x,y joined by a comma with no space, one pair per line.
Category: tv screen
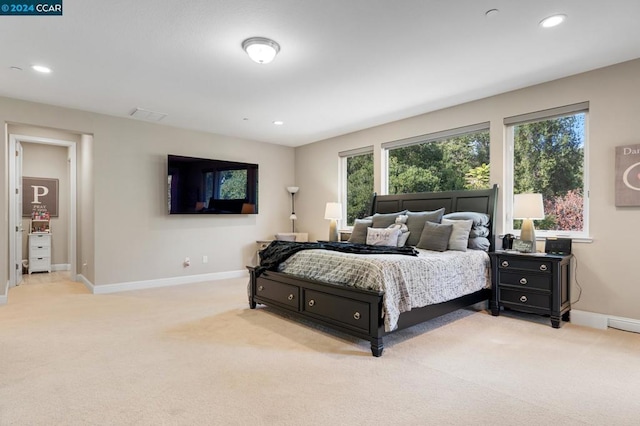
205,186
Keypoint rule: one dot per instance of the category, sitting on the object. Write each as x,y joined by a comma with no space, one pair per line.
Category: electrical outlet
205,259
187,262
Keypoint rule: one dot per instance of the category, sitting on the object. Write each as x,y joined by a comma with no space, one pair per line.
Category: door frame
14,215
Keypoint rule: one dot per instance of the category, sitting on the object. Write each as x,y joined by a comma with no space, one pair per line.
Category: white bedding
407,281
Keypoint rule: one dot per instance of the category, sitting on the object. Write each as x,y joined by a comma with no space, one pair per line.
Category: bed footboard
350,310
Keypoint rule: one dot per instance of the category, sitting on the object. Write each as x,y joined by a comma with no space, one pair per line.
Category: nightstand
538,284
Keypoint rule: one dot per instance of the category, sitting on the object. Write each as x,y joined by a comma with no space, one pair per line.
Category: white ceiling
344,65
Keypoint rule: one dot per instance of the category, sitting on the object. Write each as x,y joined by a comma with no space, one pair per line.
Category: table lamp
333,212
528,207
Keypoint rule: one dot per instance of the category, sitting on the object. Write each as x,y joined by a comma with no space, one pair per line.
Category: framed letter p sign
39,195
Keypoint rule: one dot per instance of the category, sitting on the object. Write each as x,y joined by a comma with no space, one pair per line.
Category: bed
362,312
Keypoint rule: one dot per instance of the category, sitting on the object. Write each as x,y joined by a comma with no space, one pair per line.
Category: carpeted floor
196,355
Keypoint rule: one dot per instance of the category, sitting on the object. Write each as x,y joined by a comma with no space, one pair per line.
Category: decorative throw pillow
383,236
383,220
359,232
286,237
402,239
459,238
416,221
435,236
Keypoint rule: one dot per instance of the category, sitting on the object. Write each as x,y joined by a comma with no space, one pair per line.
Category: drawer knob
543,267
290,297
523,281
260,288
523,299
356,316
312,302
505,263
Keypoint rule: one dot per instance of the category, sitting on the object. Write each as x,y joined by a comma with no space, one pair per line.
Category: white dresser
39,252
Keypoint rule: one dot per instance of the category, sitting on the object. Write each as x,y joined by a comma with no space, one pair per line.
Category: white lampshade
292,189
528,206
261,50
333,211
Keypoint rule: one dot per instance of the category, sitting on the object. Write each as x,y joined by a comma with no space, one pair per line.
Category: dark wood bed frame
358,312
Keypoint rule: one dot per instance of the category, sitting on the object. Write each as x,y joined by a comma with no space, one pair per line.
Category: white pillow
459,238
383,236
402,239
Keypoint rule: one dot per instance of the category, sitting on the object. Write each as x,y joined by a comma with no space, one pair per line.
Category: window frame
342,191
548,114
426,138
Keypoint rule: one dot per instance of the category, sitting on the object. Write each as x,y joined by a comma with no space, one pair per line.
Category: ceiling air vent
143,114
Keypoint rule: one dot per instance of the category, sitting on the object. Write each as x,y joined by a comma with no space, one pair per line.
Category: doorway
15,202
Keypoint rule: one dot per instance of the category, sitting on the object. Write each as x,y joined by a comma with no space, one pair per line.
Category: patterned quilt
408,282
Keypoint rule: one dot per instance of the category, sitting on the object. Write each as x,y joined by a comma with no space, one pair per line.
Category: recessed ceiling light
278,123
41,68
553,21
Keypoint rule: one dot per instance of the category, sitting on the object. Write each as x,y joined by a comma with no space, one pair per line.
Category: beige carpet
196,355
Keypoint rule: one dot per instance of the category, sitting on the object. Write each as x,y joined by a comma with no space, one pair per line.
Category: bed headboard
479,200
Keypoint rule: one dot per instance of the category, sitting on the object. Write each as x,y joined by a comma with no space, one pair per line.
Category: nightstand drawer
281,293
539,281
345,312
525,264
525,298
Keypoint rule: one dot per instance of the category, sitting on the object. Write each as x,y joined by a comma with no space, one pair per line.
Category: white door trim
13,214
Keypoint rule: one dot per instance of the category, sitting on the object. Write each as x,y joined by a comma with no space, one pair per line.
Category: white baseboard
88,284
602,321
161,282
5,297
61,267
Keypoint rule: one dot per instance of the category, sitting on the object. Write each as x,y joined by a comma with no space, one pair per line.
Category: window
357,182
444,161
547,154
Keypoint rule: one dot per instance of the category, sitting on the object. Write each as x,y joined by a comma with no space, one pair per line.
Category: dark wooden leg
252,304
377,346
555,321
566,316
495,309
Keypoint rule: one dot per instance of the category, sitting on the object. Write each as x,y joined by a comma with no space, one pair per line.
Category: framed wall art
627,175
39,195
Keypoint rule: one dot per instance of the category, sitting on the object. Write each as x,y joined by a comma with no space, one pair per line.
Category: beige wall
134,238
605,266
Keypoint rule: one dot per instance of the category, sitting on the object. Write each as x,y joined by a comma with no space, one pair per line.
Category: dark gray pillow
383,220
416,222
478,243
435,236
479,219
359,233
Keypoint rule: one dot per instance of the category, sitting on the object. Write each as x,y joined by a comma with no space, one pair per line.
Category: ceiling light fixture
41,68
278,123
552,21
261,50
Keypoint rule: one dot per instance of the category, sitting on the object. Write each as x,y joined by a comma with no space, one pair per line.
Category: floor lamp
292,190
333,212
528,207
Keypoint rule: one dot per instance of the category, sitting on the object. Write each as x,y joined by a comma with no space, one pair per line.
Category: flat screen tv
206,186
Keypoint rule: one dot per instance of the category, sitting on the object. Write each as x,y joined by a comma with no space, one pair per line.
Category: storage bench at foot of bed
350,310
